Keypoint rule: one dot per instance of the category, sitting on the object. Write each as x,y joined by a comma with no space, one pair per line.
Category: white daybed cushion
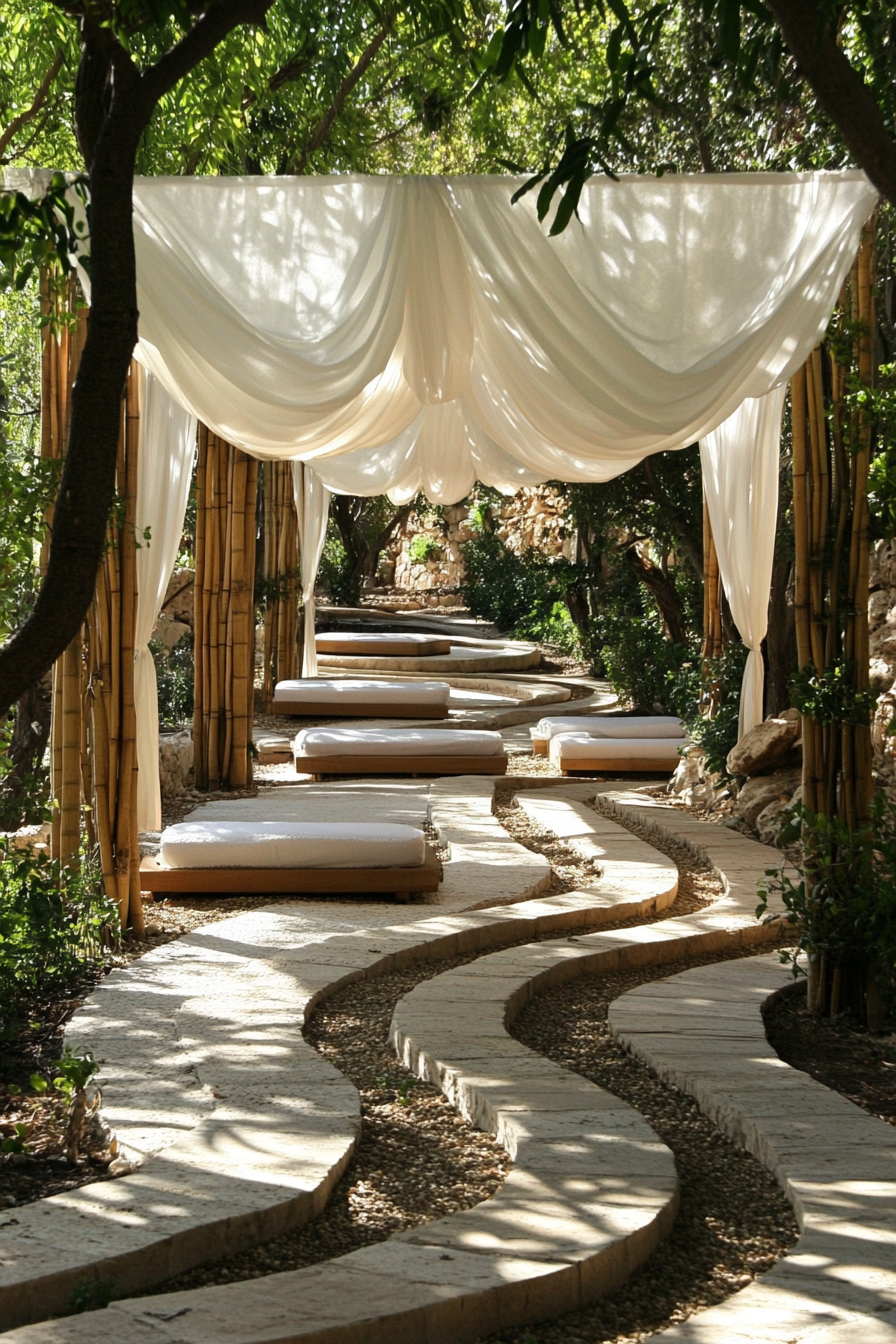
380,637
398,742
290,844
646,726
314,691
583,747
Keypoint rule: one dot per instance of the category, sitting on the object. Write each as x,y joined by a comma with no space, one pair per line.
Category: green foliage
175,678
630,648
47,231
829,696
846,909
693,690
89,1294
55,924
521,594
334,575
73,1072
423,548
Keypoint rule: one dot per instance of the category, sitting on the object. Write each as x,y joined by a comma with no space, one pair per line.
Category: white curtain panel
312,507
167,440
740,483
422,332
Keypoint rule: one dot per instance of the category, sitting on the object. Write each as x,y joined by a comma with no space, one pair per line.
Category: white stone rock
175,762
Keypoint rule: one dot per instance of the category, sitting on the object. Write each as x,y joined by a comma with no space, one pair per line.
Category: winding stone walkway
592,1189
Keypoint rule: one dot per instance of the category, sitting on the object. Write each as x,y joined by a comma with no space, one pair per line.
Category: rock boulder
758,793
175,762
766,746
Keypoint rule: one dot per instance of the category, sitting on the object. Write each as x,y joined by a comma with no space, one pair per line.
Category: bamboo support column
831,457
280,579
64,334
227,481
712,610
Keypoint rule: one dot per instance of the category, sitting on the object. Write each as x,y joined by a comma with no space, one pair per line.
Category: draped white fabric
167,440
408,334
312,507
418,333
740,483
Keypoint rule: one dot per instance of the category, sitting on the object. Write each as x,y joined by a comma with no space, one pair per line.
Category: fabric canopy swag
414,334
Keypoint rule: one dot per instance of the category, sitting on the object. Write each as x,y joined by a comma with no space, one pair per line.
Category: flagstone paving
592,1188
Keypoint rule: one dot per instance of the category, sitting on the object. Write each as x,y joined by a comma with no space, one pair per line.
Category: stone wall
533,517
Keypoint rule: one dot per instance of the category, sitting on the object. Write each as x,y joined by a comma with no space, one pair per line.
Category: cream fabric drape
312,508
423,332
740,483
167,441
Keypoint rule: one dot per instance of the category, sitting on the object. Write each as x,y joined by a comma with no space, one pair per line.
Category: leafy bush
55,924
423,548
522,594
175,676
846,910
690,693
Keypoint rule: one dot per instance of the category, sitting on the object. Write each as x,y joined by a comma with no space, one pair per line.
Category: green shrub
689,693
56,923
521,594
175,678
423,548
846,912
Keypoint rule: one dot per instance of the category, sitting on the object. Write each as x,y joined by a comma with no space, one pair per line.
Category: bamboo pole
802,518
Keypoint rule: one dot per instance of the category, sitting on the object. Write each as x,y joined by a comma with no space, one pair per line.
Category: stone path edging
561,1230
836,1162
148,1022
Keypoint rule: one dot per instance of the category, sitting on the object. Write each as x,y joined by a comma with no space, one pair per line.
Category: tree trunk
662,589
114,104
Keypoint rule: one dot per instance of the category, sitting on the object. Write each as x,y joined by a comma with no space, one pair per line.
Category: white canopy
407,334
420,333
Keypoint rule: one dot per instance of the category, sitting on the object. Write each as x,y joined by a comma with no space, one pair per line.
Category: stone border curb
836,1162
317,970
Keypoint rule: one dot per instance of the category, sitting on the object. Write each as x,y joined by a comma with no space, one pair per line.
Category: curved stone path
592,1189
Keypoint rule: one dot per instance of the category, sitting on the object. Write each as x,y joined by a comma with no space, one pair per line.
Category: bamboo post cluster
94,727
63,335
224,623
832,435
713,638
111,626
280,579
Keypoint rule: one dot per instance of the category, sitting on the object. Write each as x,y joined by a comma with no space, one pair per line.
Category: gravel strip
698,884
734,1221
417,1158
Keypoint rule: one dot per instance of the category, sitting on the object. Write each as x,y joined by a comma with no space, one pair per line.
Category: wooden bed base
317,881
541,746
395,764
335,646
360,709
595,766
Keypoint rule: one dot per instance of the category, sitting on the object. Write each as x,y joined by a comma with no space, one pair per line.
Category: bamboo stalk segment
280,578
224,614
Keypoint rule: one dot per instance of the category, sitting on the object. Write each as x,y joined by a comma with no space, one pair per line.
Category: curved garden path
592,1189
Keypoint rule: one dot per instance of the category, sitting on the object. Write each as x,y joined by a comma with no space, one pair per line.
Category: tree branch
352,79
840,90
40,98
199,42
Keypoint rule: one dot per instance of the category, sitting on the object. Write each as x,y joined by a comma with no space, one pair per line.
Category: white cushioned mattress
314,691
398,742
656,726
379,637
583,747
290,844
